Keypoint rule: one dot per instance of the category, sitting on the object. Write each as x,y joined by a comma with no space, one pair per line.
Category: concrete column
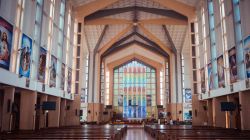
199,115
91,72
72,113
210,112
219,117
8,99
97,93
90,116
27,110
42,122
54,114
244,98
62,112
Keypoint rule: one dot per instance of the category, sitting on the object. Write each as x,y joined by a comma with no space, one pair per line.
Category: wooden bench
188,132
100,132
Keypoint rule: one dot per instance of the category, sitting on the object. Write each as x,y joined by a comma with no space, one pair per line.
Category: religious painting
203,84
210,76
42,65
25,58
52,74
247,61
6,32
220,70
69,80
232,65
188,95
62,76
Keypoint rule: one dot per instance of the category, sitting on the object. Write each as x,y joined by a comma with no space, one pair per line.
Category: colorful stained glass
134,89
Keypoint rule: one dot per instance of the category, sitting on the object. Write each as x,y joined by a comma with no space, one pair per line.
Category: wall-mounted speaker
8,105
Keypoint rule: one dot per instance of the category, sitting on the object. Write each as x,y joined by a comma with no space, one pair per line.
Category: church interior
124,69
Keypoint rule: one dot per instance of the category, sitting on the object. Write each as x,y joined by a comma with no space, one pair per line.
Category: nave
131,132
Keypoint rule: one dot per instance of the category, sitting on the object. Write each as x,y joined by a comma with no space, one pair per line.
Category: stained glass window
134,90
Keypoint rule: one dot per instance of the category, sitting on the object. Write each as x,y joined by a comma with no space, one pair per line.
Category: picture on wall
25,58
232,65
42,65
188,95
63,76
221,73
203,84
69,80
247,57
52,74
120,100
6,30
210,76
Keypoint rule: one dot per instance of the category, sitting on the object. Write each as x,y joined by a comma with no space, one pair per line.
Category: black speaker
81,113
205,107
227,106
89,111
8,106
180,112
76,112
68,107
190,112
169,114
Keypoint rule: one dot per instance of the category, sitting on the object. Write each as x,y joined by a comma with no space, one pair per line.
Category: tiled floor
137,133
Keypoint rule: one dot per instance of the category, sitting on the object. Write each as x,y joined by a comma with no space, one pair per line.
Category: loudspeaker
76,112
180,112
8,105
81,113
190,112
169,114
205,108
68,107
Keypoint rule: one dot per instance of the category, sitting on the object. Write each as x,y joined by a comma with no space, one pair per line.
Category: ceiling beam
115,49
105,21
89,8
155,45
164,21
101,38
155,39
114,39
109,12
179,7
169,38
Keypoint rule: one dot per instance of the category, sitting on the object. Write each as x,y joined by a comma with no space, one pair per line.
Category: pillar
62,112
91,80
199,115
209,110
219,117
42,121
54,114
8,99
27,110
73,111
244,98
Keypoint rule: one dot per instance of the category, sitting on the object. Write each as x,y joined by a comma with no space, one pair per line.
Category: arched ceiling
163,22
135,49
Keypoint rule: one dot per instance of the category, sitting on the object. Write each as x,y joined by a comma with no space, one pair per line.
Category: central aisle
136,132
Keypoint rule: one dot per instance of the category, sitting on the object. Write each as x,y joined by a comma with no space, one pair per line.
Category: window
135,89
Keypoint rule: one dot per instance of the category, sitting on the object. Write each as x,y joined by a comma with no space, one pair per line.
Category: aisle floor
137,133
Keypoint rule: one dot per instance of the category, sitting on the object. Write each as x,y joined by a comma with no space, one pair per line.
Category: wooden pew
100,132
166,132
